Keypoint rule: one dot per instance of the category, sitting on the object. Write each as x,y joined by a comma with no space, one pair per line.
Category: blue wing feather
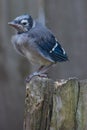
46,47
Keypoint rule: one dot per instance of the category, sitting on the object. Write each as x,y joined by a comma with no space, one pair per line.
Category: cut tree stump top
51,105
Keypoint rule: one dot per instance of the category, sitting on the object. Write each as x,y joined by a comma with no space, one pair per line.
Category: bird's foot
43,75
29,77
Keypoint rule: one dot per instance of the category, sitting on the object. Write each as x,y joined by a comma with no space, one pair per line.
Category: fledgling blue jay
37,43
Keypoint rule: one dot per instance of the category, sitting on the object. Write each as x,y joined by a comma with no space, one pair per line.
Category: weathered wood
52,105
82,106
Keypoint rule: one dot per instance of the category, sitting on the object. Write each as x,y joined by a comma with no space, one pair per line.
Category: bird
37,43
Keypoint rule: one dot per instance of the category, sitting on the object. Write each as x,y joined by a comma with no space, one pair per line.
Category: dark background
68,21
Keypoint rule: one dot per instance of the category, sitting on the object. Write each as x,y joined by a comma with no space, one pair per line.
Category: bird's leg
44,69
40,68
29,77
40,72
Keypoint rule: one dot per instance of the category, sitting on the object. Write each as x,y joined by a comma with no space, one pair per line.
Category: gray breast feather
18,42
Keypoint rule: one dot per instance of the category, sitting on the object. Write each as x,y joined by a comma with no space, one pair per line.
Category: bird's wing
50,48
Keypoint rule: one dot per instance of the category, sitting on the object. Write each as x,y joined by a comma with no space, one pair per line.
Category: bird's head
22,23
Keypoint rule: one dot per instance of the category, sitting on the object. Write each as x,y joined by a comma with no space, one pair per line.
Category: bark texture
53,105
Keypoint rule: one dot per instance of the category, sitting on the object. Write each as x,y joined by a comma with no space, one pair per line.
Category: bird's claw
42,75
29,77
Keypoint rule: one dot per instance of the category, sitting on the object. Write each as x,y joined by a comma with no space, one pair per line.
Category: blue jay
37,43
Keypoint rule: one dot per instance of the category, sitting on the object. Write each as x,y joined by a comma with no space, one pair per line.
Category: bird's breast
23,45
19,39
35,58
18,42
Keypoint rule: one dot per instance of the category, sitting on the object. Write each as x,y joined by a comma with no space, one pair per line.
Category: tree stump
53,105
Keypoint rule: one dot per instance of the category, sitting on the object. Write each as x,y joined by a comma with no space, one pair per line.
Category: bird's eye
24,22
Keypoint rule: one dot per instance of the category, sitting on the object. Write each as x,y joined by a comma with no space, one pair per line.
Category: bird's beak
15,25
12,23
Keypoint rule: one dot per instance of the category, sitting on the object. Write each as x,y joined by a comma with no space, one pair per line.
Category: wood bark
53,105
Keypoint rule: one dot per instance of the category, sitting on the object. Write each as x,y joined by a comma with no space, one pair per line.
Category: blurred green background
68,21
